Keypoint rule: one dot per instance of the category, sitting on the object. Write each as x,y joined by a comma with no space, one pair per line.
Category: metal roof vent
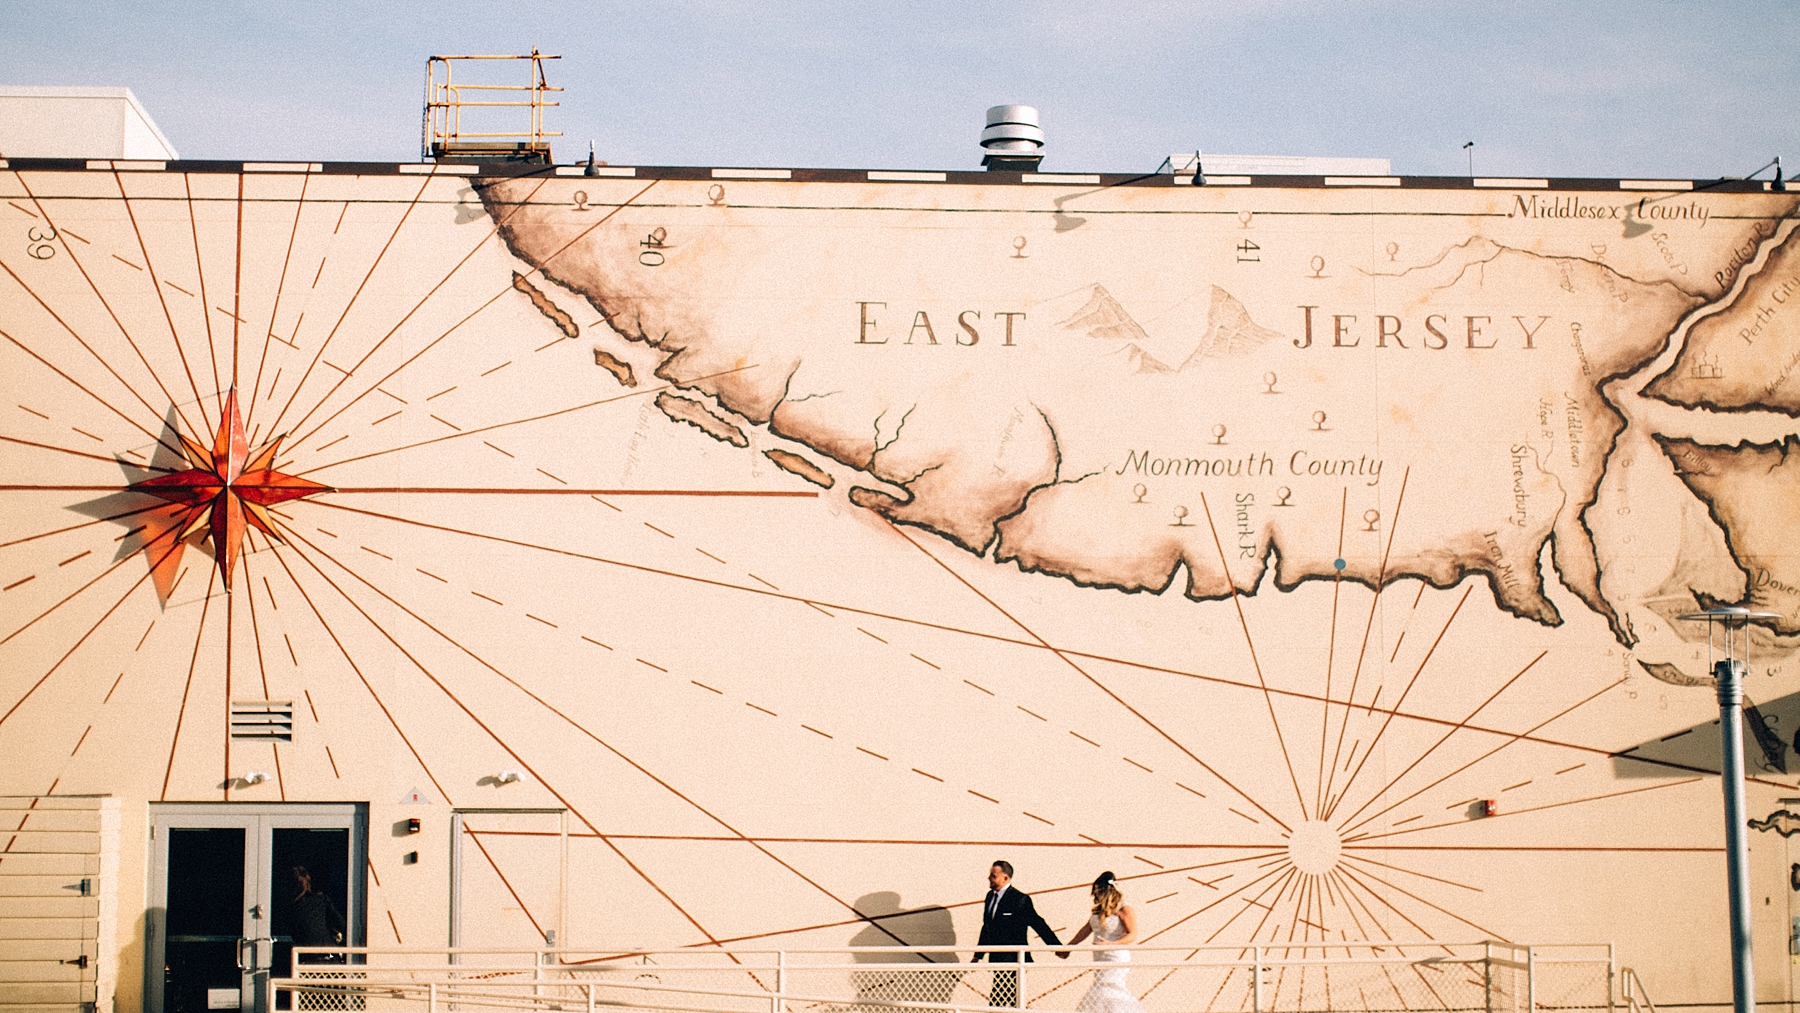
1012,140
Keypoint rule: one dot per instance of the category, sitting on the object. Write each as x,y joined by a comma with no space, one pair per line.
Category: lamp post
1729,674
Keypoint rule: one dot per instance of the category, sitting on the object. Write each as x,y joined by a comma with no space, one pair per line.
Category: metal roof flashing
965,177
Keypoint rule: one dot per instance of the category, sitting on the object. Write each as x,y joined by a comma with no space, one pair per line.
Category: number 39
38,243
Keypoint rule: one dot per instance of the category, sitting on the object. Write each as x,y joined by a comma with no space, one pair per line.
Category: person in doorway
316,920
1111,921
1005,919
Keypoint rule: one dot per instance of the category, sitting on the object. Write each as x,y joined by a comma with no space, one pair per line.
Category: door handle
255,960
81,961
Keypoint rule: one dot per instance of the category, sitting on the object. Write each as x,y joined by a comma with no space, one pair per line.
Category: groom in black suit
1005,918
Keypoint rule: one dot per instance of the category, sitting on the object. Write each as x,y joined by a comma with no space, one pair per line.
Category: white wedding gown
1109,993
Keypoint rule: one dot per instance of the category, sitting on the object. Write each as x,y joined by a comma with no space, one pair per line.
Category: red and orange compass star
223,489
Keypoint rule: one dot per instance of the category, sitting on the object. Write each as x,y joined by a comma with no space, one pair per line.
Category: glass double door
236,887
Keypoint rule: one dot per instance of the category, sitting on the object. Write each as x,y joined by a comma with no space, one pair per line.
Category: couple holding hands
1007,915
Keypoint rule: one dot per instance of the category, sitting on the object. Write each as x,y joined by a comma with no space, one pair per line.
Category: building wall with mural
1307,551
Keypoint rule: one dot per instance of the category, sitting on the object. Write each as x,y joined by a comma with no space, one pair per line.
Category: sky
1574,88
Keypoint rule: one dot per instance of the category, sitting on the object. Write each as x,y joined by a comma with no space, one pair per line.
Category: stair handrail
1631,988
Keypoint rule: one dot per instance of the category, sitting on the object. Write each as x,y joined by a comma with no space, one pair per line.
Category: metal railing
445,102
1482,977
1631,992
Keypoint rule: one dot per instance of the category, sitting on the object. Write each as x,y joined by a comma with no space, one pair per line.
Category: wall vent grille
271,720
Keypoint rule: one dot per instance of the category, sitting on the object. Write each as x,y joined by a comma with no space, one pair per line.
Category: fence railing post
775,1003
1256,979
1019,999
590,995
1487,974
431,997
1612,975
1530,980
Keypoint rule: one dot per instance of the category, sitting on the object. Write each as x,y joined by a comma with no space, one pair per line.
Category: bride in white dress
1112,921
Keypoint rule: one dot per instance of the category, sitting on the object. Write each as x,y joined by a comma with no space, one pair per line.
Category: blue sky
1564,89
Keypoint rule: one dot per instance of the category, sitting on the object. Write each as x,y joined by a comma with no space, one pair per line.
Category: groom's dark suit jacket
1006,927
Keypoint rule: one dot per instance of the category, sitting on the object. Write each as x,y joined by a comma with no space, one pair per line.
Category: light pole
1729,674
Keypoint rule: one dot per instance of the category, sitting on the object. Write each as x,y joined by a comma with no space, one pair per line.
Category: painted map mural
815,539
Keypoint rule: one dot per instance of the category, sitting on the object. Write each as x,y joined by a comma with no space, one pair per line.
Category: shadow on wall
892,925
1771,735
130,992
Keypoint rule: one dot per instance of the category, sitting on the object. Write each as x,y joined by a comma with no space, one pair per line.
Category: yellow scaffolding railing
446,99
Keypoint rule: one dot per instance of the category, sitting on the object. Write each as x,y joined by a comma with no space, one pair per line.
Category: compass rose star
224,488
